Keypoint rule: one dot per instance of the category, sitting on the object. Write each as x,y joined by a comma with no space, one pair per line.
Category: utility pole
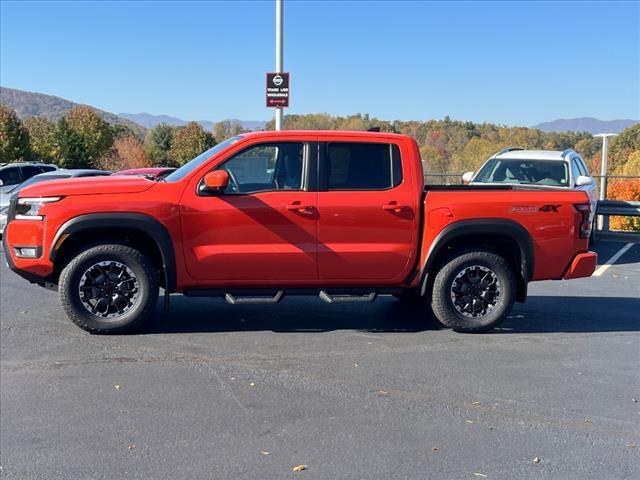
279,53
603,162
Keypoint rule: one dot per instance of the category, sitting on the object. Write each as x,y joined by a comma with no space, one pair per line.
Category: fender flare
492,226
131,221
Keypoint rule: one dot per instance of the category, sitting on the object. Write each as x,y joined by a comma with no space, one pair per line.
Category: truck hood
87,186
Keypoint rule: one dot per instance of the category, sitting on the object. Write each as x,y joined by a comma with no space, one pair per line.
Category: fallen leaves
264,452
131,446
435,449
252,384
478,474
469,421
536,460
299,468
382,392
631,445
475,403
116,386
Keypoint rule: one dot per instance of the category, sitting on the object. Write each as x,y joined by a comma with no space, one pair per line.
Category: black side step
249,300
339,298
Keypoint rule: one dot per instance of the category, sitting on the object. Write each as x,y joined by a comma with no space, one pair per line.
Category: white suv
539,169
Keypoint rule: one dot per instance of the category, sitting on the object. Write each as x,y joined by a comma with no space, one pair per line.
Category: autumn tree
126,152
43,139
189,142
14,138
96,134
227,128
157,144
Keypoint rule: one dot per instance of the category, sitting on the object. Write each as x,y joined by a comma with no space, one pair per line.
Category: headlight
29,208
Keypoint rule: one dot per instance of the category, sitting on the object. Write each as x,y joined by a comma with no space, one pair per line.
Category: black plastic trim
271,291
134,221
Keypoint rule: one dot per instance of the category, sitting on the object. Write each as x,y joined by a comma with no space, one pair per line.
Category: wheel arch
145,231
503,236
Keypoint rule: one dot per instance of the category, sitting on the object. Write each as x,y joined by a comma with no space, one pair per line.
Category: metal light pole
603,162
279,53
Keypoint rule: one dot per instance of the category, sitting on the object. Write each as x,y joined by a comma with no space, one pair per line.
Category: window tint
575,170
29,171
10,176
272,166
363,166
582,168
517,171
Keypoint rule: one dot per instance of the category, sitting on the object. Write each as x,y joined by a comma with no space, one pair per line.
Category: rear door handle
395,207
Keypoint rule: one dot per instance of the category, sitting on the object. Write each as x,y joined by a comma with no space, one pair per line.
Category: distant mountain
32,104
586,124
150,121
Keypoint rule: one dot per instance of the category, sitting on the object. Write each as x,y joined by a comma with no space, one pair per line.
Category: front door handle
297,207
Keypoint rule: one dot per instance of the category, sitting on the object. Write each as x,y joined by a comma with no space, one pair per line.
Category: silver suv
13,174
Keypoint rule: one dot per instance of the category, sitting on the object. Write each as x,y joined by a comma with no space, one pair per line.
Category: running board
339,298
247,300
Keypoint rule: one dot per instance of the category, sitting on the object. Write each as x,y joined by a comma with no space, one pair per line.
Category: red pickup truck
342,215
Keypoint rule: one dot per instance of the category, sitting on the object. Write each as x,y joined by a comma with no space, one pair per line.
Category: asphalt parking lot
214,391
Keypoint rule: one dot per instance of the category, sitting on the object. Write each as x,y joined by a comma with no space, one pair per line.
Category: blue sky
512,63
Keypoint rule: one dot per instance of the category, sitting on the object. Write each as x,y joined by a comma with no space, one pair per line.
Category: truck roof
324,133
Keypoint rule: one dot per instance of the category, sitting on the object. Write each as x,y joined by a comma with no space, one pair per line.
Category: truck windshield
529,172
191,165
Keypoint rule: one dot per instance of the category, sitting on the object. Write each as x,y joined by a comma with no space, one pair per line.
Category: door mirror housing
215,182
467,177
583,180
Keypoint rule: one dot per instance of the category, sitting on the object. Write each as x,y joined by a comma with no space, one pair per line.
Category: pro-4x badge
549,208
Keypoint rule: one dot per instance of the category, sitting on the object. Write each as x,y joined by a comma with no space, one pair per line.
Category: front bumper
30,234
583,265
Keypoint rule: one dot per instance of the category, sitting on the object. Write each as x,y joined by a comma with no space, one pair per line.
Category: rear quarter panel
553,230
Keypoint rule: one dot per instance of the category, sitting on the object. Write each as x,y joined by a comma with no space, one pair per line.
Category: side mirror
467,178
1,183
583,180
216,181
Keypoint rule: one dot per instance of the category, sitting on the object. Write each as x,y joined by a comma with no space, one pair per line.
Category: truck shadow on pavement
541,314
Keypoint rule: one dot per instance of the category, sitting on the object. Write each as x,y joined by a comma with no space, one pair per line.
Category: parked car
42,177
341,215
13,174
152,173
547,169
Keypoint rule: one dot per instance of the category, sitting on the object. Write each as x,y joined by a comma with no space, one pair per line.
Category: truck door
368,224
263,228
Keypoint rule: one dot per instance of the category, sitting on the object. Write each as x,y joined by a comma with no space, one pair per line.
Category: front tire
473,292
109,289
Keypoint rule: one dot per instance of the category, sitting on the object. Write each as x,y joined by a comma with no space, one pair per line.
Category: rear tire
473,291
109,289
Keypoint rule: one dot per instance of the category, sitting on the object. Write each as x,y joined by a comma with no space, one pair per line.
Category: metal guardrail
617,208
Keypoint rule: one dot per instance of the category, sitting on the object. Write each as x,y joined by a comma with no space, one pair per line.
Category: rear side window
29,171
363,166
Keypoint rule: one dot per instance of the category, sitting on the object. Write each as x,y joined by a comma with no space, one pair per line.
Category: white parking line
612,260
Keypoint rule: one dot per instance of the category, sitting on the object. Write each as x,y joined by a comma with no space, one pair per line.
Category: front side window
526,172
264,167
363,166
192,165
